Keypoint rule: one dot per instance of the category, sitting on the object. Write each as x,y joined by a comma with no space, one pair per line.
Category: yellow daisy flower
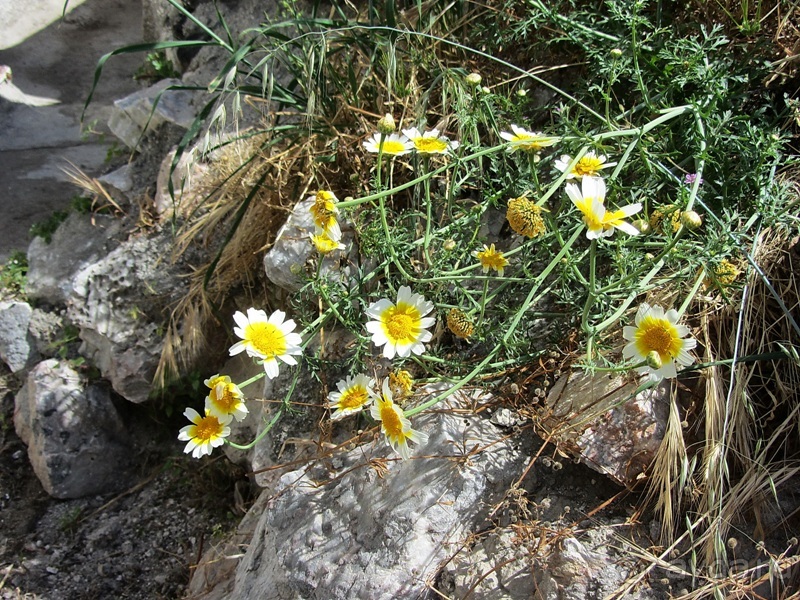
268,338
589,165
394,424
393,144
325,244
225,398
401,328
429,142
525,217
529,141
491,259
354,394
324,211
589,199
658,331
205,433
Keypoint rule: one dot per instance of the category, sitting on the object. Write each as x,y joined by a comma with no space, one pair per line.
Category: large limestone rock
77,442
366,524
17,346
149,108
604,422
119,304
79,241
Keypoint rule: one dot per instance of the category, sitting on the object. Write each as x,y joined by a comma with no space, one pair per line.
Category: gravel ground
138,544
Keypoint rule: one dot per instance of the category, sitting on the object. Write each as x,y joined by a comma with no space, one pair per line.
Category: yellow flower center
613,219
267,339
525,217
391,421
401,322
492,259
393,147
353,397
658,335
593,220
588,165
227,401
428,145
209,428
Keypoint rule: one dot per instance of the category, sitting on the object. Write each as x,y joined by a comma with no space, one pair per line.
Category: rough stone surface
17,345
287,258
77,442
604,422
119,304
366,524
79,241
135,114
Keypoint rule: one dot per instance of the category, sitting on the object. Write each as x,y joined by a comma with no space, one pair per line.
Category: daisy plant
394,424
527,141
590,200
589,165
266,338
205,433
401,327
353,395
430,142
225,398
324,212
658,342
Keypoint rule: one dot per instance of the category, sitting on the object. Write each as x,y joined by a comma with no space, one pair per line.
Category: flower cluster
411,140
327,234
356,393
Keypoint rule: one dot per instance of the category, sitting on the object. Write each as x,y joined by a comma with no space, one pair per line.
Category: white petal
574,193
388,350
629,333
237,348
630,351
276,318
644,310
630,209
256,315
271,368
288,359
241,321
192,415
376,309
627,228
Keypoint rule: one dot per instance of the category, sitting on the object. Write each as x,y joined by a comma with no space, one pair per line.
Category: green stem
537,282
483,301
261,435
587,307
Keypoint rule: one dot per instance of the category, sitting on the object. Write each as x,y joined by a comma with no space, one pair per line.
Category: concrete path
57,58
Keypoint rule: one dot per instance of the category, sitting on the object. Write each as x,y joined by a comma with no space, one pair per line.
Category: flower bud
615,53
653,360
473,79
485,90
643,225
449,245
522,92
386,125
691,220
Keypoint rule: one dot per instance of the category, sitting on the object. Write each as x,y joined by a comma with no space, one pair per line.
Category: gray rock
119,178
118,303
79,241
286,260
496,567
149,108
372,526
17,345
47,330
607,425
77,442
